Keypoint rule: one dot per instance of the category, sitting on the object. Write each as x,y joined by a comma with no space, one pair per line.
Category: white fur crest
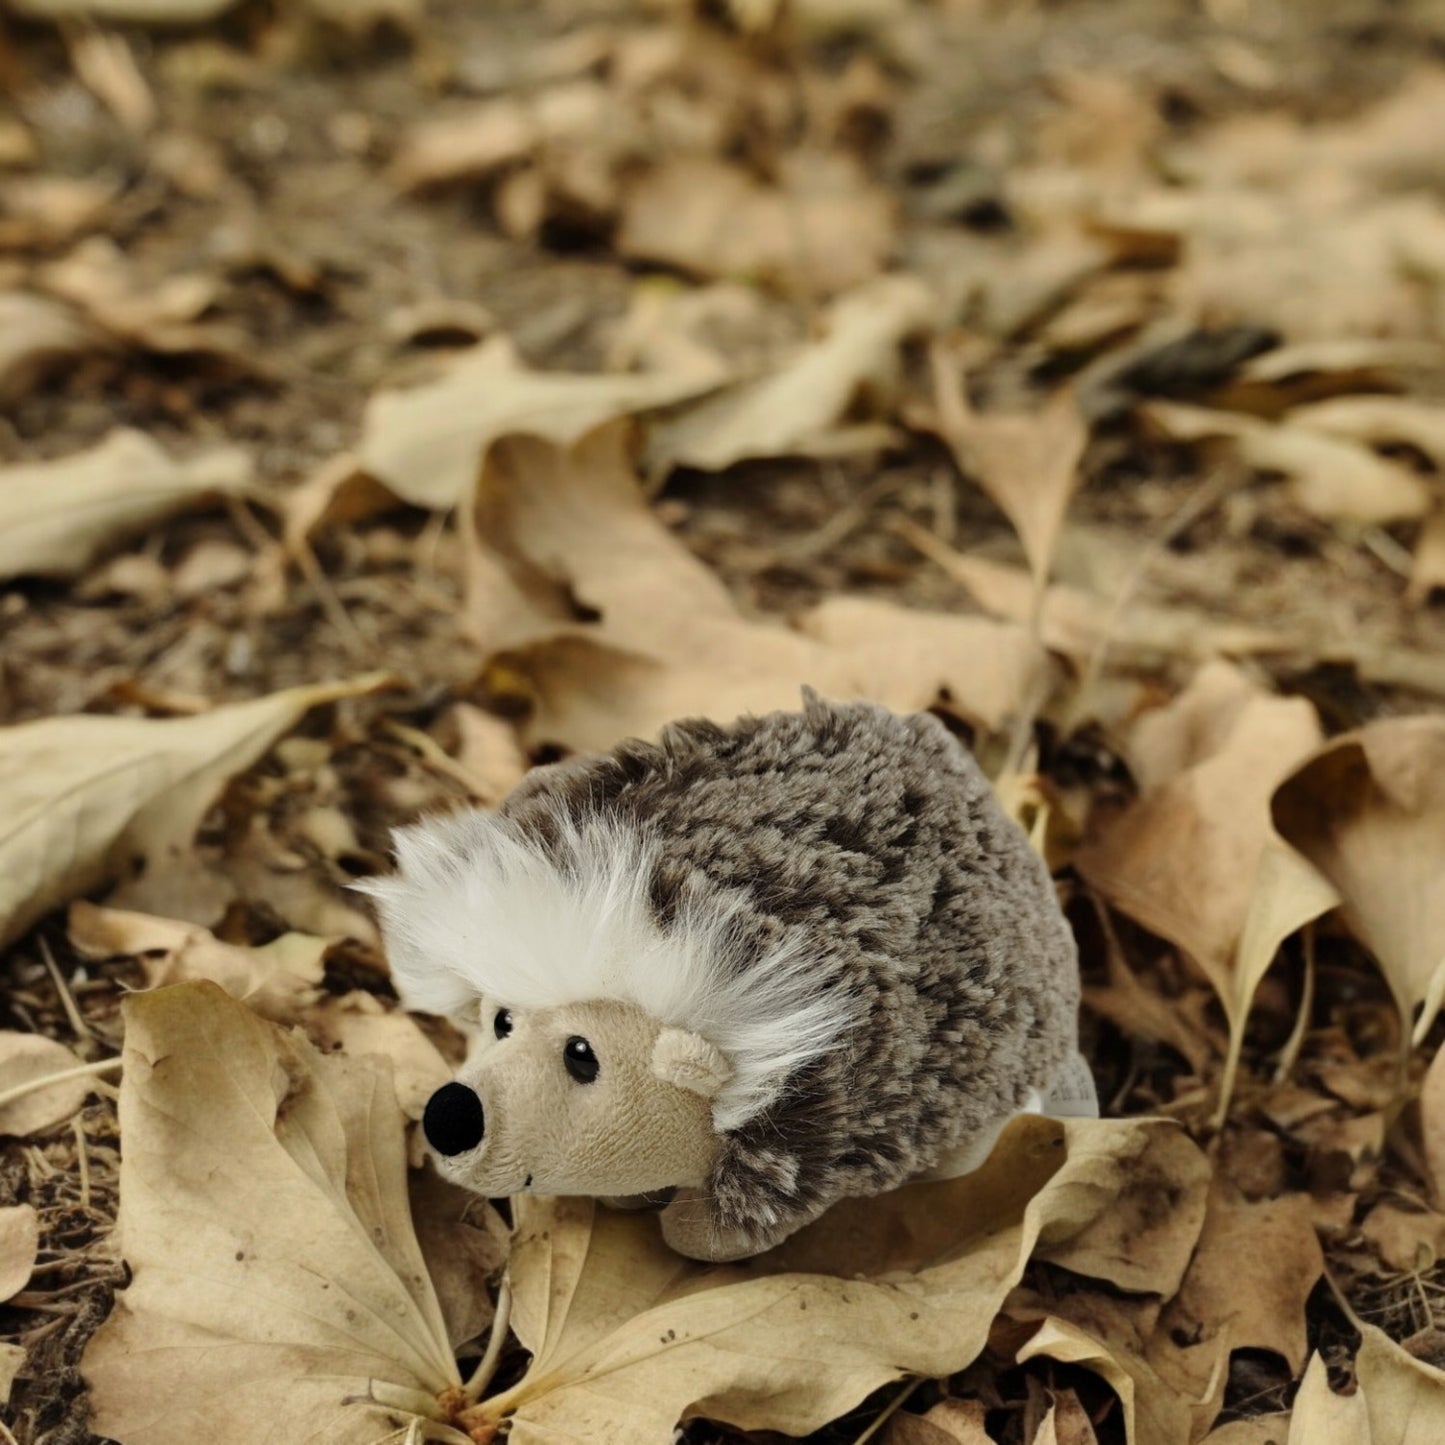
475,908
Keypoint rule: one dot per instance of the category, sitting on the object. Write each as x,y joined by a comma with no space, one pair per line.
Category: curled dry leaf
19,1244
427,444
791,409
278,980
1368,810
821,229
264,1216
25,1058
1194,859
627,1339
562,528
56,517
79,795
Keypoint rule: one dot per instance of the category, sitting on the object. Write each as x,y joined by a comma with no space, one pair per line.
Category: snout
453,1121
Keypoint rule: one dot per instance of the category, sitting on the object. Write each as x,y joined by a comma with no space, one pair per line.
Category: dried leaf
820,230
265,1221
12,1361
36,334
80,795
1028,464
1368,810
1151,1413
1432,1124
1321,1417
627,1338
666,641
1405,1397
1246,1288
1256,1430
142,12
1379,421
278,980
950,1422
19,1245
428,444
25,1058
477,142
1427,575
1331,477
358,1024
464,1241
791,409
56,517
1193,859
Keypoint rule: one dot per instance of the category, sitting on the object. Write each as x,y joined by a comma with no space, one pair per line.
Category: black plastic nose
453,1121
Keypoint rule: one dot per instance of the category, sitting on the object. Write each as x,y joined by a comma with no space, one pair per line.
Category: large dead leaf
56,517
1194,859
274,1272
821,229
24,1060
278,980
627,1338
427,444
570,531
19,1244
792,409
81,795
1368,810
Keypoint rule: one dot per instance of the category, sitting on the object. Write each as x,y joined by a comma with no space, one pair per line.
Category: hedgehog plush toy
752,969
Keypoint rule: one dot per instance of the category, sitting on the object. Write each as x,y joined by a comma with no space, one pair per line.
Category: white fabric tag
1071,1093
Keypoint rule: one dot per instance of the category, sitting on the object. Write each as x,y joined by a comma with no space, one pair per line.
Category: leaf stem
81,1071
889,1410
482,1375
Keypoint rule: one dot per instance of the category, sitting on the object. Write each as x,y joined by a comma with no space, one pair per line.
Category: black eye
580,1060
502,1024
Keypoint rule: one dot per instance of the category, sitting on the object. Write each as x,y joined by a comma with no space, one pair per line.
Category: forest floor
313,259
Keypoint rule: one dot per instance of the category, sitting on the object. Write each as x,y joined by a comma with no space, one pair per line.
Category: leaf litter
593,370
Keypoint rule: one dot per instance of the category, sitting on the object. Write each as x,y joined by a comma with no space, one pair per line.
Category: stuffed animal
752,969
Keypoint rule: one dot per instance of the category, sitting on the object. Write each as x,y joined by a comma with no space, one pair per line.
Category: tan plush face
590,1098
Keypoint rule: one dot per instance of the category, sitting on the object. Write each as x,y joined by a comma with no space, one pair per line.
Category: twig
67,999
889,1411
82,1159
81,1071
482,1375
1208,495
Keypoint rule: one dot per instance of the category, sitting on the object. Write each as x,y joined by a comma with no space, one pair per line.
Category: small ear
689,1061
